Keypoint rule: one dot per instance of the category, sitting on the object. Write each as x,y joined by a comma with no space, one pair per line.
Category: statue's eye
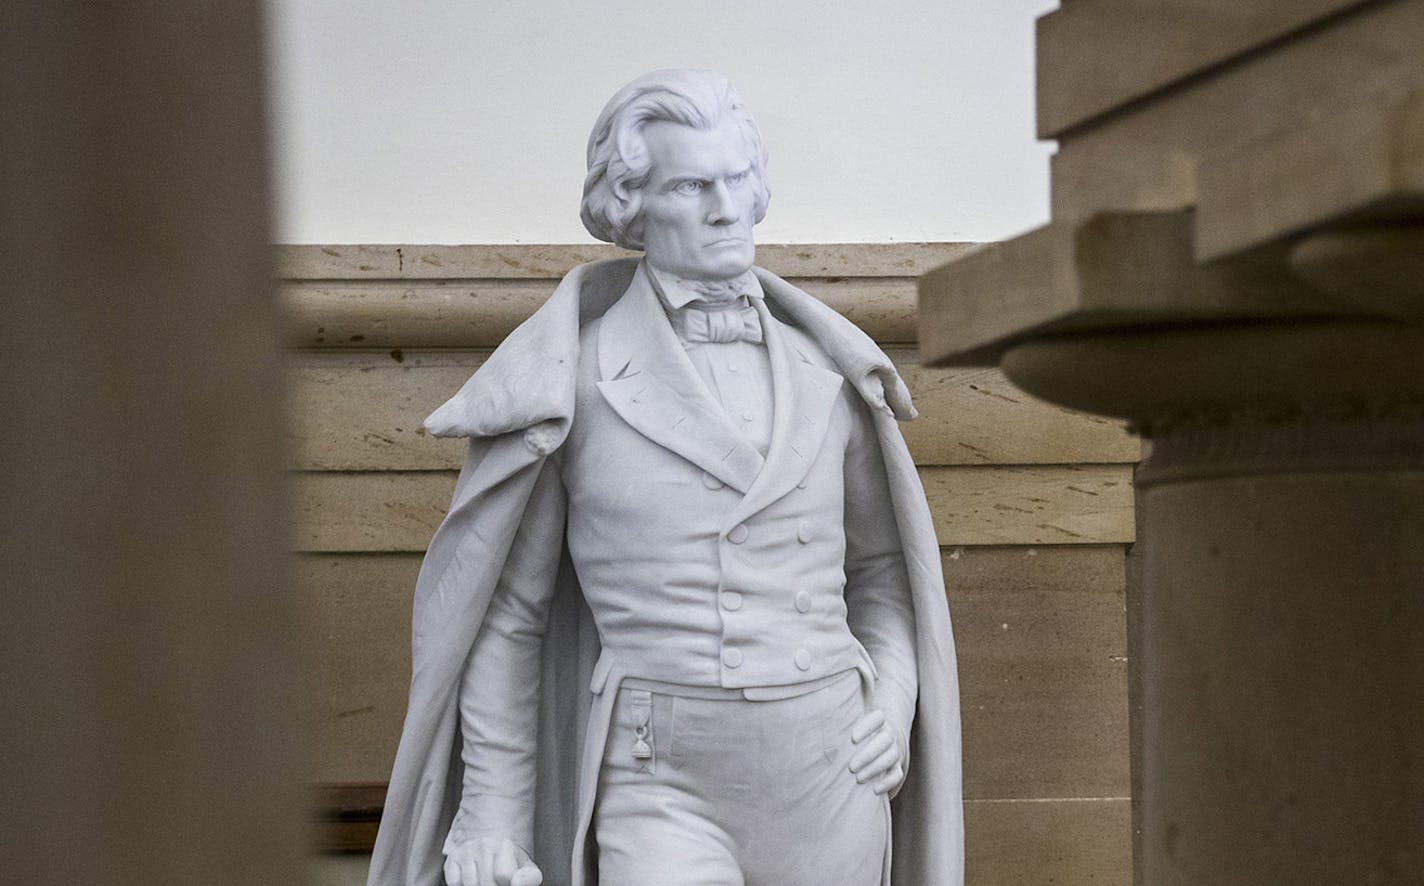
738,178
689,187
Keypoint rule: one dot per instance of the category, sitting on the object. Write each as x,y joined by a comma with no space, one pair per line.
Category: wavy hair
618,162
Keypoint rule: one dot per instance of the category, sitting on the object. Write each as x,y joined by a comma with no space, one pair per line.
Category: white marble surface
827,620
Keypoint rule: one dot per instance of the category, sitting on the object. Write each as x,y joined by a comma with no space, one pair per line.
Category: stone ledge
550,261
1364,165
1116,270
1090,58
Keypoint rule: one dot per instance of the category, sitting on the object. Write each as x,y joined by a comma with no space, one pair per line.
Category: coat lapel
649,381
803,396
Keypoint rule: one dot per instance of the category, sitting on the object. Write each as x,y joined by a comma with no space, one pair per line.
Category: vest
704,563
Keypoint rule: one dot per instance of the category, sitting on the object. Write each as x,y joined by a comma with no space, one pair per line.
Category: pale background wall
465,122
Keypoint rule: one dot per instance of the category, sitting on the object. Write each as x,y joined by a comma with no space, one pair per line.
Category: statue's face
699,203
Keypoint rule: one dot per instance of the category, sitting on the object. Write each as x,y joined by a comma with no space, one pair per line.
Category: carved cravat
721,323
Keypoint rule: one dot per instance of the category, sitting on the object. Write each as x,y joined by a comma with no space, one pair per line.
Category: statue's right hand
491,861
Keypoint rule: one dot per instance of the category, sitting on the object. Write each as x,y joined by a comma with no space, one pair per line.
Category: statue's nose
722,210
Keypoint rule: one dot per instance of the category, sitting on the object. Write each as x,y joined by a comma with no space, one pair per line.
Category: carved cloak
516,410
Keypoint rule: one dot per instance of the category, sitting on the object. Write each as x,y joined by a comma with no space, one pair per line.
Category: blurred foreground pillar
149,707
1235,266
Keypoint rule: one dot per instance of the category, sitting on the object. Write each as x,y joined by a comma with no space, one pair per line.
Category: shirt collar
677,293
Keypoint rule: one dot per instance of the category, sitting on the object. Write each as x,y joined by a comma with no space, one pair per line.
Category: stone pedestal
1236,270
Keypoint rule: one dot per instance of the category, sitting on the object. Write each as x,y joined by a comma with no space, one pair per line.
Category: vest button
803,602
803,659
731,601
805,532
738,534
802,484
710,481
732,658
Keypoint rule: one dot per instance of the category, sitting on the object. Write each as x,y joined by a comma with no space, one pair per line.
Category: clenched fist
491,861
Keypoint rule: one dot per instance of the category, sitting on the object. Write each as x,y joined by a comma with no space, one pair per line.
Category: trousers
709,788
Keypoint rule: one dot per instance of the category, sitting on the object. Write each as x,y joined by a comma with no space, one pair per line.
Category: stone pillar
1282,633
148,657
1235,268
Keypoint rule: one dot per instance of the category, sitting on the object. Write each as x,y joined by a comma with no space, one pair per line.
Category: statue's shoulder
532,375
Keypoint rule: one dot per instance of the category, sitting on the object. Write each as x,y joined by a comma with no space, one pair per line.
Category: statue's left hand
878,759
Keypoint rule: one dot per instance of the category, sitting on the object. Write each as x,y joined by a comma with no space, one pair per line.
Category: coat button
803,659
802,484
732,658
803,602
805,532
731,601
710,481
738,534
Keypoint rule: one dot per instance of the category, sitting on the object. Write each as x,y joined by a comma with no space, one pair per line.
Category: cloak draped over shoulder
516,410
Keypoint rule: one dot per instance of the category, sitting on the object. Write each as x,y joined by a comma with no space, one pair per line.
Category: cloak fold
516,410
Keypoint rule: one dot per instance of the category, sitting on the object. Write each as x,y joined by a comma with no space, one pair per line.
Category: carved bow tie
737,322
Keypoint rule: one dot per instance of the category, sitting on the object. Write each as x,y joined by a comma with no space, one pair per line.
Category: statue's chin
731,264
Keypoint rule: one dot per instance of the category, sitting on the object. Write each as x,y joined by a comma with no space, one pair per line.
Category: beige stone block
407,313
1145,156
358,633
361,411
340,870
1087,504
552,261
480,313
1113,271
1365,163
1095,56
1030,505
1048,843
976,416
1042,649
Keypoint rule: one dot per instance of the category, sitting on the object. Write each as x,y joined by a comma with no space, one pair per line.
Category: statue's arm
499,691
880,610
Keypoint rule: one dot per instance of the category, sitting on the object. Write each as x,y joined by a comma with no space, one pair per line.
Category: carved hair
618,162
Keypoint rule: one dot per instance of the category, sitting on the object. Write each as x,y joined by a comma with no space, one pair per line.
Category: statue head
676,167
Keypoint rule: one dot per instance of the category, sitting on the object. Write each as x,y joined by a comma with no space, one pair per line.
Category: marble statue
684,622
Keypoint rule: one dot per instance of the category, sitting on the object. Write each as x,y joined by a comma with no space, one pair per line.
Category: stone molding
1375,436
